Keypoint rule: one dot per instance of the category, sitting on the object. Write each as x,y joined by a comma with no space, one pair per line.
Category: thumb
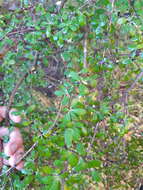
14,118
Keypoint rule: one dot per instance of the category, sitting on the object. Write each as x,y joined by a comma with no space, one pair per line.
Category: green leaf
55,184
46,170
48,31
76,134
26,123
59,93
73,160
28,179
67,117
81,166
121,21
73,27
94,163
31,108
82,20
74,76
11,62
58,163
80,149
45,179
65,100
79,111
66,56
68,135
83,89
96,176
5,138
16,113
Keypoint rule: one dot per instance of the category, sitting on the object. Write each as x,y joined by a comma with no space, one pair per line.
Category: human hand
14,148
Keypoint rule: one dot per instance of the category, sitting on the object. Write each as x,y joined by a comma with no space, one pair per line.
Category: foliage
89,133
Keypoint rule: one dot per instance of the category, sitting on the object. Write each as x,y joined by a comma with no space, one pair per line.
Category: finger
16,135
10,148
15,142
15,158
20,166
14,118
3,132
14,149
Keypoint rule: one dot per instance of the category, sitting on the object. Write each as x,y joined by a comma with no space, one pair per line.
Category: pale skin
14,148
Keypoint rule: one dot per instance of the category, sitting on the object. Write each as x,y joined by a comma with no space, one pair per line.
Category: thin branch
21,31
93,138
134,83
126,92
56,119
84,5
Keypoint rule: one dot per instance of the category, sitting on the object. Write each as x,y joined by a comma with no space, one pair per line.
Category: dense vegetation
73,69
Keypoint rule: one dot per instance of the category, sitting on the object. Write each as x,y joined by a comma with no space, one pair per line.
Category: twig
126,92
84,5
21,10
21,31
134,83
11,99
56,119
93,138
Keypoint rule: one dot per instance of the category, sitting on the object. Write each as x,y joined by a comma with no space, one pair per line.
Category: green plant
81,134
